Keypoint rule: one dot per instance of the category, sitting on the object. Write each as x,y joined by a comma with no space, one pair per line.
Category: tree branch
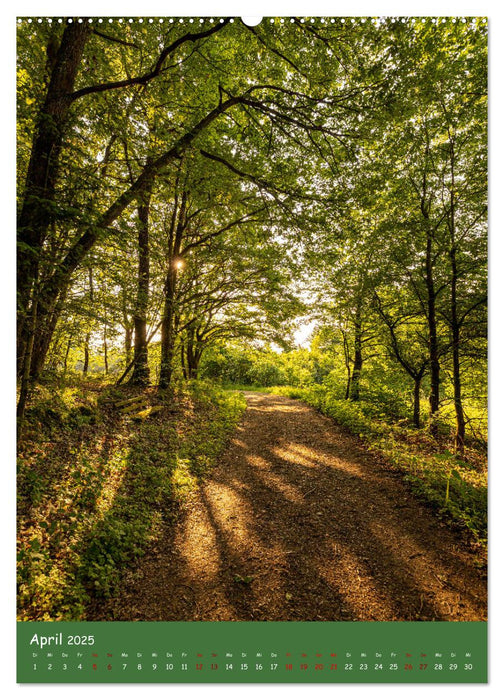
147,77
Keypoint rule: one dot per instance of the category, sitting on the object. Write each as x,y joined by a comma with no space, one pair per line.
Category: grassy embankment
95,487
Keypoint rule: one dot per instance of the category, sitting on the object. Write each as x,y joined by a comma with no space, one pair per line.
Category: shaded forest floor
300,522
96,487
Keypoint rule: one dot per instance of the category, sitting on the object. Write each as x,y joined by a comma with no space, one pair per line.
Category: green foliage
235,364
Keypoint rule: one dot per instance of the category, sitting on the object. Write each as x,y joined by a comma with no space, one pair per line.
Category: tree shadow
130,516
297,523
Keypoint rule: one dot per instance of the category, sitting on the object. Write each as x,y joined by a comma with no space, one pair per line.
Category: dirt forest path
300,522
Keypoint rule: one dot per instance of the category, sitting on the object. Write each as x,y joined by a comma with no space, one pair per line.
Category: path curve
299,522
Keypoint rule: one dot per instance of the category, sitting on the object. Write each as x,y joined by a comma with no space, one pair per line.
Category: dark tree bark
416,401
454,317
65,360
431,314
183,360
130,366
416,371
25,379
140,374
105,350
195,363
128,338
47,318
168,330
88,334
428,296
128,329
37,208
348,365
433,339
354,389
85,365
194,350
457,382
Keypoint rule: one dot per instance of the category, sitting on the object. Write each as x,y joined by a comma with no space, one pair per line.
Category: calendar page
252,349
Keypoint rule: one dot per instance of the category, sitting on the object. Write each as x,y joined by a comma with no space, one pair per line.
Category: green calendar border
280,643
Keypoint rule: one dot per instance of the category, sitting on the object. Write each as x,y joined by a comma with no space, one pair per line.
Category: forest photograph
252,319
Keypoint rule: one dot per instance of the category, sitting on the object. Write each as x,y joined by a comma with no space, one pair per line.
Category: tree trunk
416,401
192,354
346,351
183,360
88,334
37,208
105,349
196,361
65,361
168,330
433,341
85,366
457,394
140,374
47,318
354,389
193,371
193,359
25,378
128,337
431,306
455,325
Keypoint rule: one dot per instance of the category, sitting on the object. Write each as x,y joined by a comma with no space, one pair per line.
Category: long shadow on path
298,522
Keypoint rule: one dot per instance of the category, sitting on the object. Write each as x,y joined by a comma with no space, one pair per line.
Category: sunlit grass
182,481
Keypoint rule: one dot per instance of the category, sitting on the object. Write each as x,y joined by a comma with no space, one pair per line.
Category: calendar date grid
252,662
